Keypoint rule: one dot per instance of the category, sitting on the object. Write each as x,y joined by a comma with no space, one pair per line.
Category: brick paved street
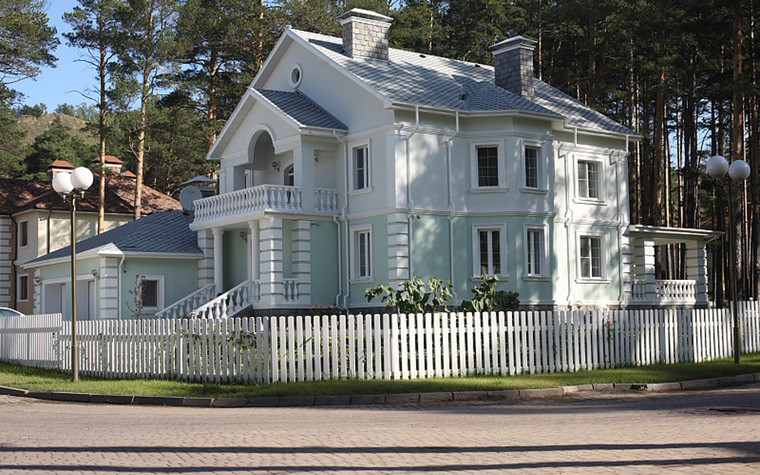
694,432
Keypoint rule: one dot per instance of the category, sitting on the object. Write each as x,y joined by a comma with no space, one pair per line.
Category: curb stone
379,399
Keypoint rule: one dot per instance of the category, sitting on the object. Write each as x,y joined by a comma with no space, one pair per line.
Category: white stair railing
187,305
230,302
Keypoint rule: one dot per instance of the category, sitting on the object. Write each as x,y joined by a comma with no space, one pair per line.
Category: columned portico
646,289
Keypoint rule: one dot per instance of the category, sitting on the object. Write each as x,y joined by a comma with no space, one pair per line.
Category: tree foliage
26,40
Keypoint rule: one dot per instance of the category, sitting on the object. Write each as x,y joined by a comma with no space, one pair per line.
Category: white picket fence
287,349
32,340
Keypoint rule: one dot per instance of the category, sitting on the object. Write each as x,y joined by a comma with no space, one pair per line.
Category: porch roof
665,235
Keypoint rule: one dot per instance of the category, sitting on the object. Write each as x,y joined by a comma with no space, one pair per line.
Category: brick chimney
365,34
513,65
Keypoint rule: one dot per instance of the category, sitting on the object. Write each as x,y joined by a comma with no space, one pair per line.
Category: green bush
488,299
413,296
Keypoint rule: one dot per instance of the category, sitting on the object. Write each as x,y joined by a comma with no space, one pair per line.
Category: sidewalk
381,399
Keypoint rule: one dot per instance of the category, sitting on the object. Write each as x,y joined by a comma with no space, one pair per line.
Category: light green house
349,164
131,271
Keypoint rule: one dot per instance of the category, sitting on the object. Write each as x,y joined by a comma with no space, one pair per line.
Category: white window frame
604,258
476,230
160,289
356,258
24,223
500,163
599,180
366,174
24,286
543,252
541,170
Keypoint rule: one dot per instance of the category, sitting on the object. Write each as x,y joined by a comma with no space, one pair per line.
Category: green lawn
49,380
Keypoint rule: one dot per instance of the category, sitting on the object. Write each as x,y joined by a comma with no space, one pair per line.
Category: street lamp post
72,186
738,171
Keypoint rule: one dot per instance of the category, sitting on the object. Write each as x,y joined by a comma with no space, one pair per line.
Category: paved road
698,432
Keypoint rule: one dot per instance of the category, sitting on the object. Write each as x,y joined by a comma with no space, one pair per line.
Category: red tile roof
20,195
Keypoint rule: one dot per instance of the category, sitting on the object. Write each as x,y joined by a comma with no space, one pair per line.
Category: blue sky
58,85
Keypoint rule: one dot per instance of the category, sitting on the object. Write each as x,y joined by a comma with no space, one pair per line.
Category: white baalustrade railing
187,305
665,291
263,197
230,302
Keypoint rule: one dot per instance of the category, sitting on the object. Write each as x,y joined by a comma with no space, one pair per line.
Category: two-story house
348,163
35,221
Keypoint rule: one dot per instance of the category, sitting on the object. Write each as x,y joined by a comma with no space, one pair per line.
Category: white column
271,266
696,268
254,251
644,268
206,265
218,259
107,285
301,248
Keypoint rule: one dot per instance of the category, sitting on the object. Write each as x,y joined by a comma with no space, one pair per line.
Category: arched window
288,178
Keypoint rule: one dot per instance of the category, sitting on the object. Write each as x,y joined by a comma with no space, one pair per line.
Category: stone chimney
365,34
513,66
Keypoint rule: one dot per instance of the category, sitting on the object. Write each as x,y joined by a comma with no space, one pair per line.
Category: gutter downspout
621,225
449,145
338,221
568,217
409,201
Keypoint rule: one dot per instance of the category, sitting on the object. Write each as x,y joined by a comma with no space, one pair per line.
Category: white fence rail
269,349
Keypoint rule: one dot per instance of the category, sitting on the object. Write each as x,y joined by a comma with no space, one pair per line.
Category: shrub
413,296
488,299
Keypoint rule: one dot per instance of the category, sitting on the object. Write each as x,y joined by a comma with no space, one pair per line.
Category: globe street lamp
72,185
738,171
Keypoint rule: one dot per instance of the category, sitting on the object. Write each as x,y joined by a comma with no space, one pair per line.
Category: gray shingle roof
420,79
302,109
164,232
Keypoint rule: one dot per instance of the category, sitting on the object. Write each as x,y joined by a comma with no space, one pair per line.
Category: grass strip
36,379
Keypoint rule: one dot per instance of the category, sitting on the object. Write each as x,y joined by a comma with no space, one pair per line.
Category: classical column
644,268
301,248
271,265
107,285
218,259
206,265
696,268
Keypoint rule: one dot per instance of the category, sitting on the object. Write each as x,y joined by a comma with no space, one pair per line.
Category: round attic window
296,76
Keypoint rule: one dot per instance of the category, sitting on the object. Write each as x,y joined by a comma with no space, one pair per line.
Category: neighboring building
349,164
35,221
133,270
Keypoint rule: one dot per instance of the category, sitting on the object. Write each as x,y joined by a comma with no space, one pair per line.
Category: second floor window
531,168
488,166
588,180
23,233
289,176
361,167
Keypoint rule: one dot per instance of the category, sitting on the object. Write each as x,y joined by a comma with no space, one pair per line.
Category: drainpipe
568,216
621,225
338,222
409,201
450,144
